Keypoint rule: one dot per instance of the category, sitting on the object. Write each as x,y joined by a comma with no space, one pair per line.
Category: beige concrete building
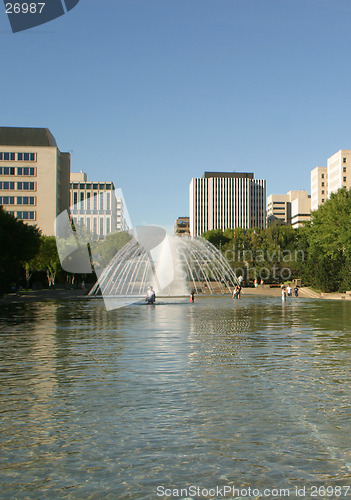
34,176
95,206
300,209
292,208
182,226
339,173
319,186
278,209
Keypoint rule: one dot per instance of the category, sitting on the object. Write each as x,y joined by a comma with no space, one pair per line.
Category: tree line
319,253
25,252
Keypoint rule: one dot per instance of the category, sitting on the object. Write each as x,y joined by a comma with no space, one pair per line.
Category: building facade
292,208
34,176
182,226
95,206
319,186
338,171
221,200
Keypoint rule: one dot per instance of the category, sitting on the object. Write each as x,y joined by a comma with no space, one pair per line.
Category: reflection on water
101,404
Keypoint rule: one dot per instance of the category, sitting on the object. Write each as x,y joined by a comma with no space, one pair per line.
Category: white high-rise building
221,200
96,206
319,186
339,173
327,180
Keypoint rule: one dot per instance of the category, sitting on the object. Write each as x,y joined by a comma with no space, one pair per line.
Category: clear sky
150,93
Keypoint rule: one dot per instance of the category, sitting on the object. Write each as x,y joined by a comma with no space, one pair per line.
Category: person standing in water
192,296
150,295
283,293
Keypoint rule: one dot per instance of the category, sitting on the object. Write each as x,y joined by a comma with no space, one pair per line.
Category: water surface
250,393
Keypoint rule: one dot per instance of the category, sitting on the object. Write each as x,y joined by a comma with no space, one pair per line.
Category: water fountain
174,266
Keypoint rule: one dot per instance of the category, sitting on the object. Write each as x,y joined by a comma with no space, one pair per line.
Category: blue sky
150,93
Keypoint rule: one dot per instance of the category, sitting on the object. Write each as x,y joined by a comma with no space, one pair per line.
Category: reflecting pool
128,403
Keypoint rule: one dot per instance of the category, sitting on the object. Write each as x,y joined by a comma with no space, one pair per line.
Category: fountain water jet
172,265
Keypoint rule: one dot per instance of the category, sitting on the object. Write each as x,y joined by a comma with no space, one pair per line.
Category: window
25,171
101,226
344,169
7,170
7,156
7,185
95,225
82,196
25,200
323,192
344,160
322,184
108,224
344,179
108,201
75,186
75,198
322,176
81,186
88,201
26,215
95,201
101,201
7,200
88,223
322,200
25,186
26,157
95,186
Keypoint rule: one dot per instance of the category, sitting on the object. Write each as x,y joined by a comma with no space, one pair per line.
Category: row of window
17,171
23,215
90,185
101,201
17,200
21,186
18,156
94,224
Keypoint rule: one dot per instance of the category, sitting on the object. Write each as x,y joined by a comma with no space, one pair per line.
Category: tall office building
292,208
95,206
339,173
327,180
319,186
221,200
34,176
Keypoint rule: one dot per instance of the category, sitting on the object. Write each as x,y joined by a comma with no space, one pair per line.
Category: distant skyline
151,93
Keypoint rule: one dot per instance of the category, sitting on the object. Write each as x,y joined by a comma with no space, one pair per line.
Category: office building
182,226
338,169
221,200
34,176
292,208
319,186
95,206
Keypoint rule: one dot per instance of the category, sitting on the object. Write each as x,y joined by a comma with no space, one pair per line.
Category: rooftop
23,136
231,175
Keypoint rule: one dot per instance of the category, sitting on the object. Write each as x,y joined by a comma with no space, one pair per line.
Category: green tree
329,244
47,259
216,237
19,243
